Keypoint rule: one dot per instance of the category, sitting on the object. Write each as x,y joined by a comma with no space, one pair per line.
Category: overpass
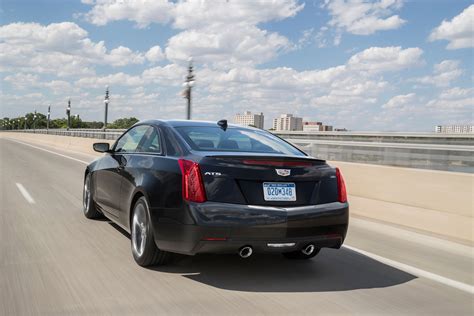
408,251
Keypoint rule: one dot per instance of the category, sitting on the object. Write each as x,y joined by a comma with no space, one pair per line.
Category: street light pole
106,109
25,122
68,112
188,84
47,122
34,122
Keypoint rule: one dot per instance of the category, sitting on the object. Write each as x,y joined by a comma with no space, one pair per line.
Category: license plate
277,191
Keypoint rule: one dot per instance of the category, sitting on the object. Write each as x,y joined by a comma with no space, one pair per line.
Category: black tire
88,205
144,250
300,255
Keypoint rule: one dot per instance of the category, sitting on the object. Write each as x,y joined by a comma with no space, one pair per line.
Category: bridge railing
110,134
451,152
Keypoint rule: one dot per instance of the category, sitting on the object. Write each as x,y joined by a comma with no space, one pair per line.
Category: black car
204,187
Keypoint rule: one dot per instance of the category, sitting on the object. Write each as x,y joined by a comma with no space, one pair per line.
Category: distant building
316,127
454,129
327,128
312,126
288,122
248,118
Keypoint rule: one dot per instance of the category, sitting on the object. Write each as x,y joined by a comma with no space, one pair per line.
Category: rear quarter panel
158,178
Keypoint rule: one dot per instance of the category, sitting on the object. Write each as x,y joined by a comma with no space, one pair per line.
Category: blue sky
387,65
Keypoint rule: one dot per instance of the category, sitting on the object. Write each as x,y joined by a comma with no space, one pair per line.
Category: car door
139,169
109,176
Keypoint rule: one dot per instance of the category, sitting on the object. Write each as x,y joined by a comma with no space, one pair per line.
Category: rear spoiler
270,160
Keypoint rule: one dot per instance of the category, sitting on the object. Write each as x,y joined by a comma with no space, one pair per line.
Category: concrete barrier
436,202
79,144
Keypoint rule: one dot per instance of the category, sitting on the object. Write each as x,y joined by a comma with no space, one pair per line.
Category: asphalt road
55,261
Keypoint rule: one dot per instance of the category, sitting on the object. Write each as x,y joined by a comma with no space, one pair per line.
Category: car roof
178,123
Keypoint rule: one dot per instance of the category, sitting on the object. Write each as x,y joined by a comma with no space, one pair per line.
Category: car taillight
193,187
341,187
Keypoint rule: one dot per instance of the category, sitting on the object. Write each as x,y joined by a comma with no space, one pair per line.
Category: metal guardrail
447,152
77,132
384,137
452,152
423,156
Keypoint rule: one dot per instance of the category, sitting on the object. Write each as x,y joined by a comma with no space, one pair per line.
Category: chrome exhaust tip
245,252
308,250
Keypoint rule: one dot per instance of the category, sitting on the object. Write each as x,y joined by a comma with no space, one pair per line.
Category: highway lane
55,261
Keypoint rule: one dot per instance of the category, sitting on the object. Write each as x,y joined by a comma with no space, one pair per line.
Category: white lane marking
25,193
49,151
416,271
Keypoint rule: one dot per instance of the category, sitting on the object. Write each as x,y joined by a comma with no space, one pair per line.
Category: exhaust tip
245,252
308,250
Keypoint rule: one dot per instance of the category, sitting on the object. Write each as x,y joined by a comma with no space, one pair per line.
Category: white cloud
456,93
122,56
142,12
19,104
355,84
58,86
444,74
361,17
305,39
225,33
226,47
323,77
452,106
379,59
353,92
117,79
155,54
455,98
220,32
190,14
23,81
58,48
459,31
400,101
197,14
169,75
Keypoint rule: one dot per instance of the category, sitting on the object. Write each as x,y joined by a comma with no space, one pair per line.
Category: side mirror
101,147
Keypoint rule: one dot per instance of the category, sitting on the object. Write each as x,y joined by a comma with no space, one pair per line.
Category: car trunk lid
242,179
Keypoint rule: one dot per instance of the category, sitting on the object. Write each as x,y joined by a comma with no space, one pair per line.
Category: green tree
93,124
32,122
123,123
58,123
5,123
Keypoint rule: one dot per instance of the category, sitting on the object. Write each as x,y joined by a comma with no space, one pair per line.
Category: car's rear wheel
308,252
89,208
145,252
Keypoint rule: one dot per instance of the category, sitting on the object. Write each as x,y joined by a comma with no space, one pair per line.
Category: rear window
234,139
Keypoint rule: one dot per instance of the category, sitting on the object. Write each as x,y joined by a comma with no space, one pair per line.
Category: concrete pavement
55,261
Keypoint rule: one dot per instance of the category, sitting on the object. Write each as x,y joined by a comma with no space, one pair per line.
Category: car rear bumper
224,228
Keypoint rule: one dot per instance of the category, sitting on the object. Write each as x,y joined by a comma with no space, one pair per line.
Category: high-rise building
454,129
249,119
288,122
